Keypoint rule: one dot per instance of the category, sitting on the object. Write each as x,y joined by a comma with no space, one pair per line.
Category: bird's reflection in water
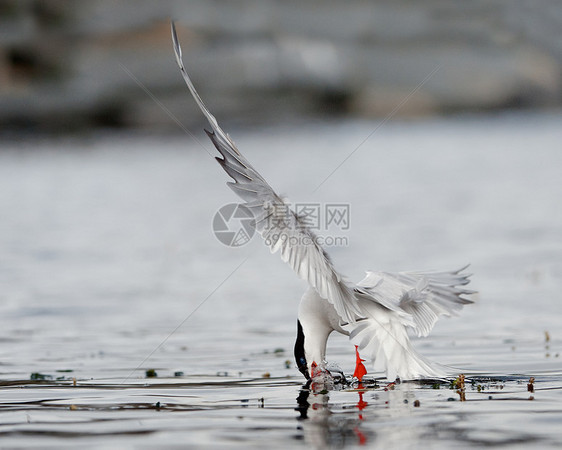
323,428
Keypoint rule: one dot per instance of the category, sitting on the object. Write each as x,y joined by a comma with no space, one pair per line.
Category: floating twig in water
460,386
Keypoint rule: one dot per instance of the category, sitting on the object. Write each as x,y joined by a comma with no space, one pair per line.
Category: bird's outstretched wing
393,302
281,228
383,337
425,296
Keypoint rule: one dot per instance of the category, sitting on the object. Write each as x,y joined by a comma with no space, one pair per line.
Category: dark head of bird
299,352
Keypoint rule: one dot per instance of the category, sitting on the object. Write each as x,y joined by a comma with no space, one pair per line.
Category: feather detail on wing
424,295
383,337
393,302
281,228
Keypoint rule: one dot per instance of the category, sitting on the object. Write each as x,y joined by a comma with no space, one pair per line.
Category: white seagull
375,313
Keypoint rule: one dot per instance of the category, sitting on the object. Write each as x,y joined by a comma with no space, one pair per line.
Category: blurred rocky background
70,65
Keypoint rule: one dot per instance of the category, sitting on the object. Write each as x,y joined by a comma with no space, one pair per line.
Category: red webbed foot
360,370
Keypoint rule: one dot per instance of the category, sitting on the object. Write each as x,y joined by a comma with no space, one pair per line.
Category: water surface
109,268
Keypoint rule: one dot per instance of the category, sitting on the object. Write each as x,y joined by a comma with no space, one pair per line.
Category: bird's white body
318,319
390,305
375,313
